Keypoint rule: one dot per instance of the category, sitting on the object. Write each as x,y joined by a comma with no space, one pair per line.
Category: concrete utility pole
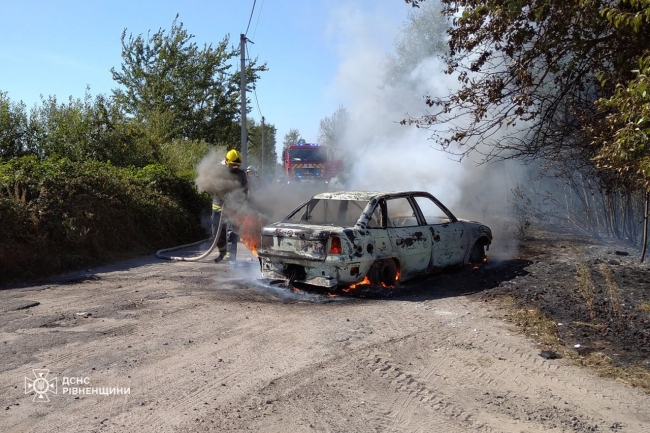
244,135
262,167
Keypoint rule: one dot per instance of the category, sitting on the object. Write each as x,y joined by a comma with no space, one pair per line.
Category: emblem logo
40,385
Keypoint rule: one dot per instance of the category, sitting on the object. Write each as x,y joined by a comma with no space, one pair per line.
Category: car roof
363,195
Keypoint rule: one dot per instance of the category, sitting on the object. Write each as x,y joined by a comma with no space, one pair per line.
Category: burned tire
477,256
383,273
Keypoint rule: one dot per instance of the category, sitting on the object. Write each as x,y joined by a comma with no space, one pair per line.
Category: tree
255,147
290,138
424,36
332,129
87,129
558,84
527,73
622,136
181,90
13,128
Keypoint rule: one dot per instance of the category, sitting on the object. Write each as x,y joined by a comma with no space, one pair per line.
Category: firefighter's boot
222,255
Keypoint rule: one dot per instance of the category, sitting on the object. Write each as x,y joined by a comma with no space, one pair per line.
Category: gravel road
199,346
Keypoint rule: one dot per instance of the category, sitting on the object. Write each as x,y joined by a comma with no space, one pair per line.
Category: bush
57,215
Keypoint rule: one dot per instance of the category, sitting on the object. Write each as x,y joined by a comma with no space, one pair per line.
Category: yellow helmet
233,157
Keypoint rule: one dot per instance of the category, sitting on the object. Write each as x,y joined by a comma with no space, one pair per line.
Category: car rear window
343,213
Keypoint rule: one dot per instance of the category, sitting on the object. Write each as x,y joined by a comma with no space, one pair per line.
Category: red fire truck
310,162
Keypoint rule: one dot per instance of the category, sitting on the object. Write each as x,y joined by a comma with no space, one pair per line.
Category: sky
61,47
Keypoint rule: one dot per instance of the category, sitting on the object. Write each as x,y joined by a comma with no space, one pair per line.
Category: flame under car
379,238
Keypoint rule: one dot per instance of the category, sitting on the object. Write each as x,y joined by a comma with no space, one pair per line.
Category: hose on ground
197,258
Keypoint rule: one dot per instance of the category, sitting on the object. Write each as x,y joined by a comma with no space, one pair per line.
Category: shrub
57,215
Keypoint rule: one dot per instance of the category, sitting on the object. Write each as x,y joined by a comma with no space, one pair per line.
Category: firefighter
228,238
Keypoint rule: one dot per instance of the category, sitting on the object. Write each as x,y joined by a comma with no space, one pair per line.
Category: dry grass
603,365
533,323
594,326
585,286
645,307
614,293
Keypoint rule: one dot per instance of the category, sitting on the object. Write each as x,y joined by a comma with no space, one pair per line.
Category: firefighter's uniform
228,238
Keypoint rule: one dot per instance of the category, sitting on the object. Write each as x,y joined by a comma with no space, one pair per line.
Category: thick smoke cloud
385,154
388,156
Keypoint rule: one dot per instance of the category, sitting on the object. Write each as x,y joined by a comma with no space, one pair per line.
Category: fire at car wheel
383,273
478,256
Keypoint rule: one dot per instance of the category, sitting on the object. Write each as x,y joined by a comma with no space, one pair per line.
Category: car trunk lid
295,242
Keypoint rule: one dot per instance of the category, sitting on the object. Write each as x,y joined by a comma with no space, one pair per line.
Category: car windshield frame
324,211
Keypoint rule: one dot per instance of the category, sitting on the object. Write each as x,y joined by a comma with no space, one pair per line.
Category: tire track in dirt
257,335
402,382
88,349
528,375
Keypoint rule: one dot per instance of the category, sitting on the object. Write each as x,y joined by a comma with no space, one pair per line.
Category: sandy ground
199,346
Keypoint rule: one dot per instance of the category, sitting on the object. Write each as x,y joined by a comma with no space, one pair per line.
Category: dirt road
185,347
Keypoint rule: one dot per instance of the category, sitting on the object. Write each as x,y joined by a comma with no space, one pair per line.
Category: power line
256,101
251,17
258,18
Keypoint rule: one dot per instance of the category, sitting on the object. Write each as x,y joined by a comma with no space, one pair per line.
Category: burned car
363,237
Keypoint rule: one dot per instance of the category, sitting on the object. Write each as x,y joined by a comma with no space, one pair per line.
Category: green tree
87,129
291,138
527,73
181,91
13,128
622,136
255,147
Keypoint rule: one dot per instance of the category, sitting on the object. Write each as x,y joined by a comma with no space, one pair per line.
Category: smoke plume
380,88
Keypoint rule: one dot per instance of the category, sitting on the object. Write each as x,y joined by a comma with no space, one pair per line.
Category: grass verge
532,322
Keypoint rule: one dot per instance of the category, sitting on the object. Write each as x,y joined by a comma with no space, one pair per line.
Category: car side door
409,236
450,240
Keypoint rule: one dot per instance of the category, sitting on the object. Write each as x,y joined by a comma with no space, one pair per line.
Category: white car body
382,238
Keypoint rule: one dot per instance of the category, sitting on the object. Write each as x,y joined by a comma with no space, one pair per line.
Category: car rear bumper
321,274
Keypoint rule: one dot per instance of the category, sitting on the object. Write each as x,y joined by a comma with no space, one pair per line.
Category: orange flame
366,281
483,261
250,228
363,282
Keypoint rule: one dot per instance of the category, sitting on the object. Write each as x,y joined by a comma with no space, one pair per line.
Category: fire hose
197,258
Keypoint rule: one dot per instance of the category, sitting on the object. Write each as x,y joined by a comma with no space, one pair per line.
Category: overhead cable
258,18
251,17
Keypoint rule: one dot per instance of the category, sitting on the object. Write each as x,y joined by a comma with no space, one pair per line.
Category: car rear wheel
478,256
383,273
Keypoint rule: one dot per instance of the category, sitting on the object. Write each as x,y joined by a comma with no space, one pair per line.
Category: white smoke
393,157
387,155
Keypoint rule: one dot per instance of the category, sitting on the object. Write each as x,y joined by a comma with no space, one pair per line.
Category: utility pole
262,168
244,134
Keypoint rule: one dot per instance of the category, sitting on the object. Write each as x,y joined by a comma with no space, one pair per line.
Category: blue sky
60,47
